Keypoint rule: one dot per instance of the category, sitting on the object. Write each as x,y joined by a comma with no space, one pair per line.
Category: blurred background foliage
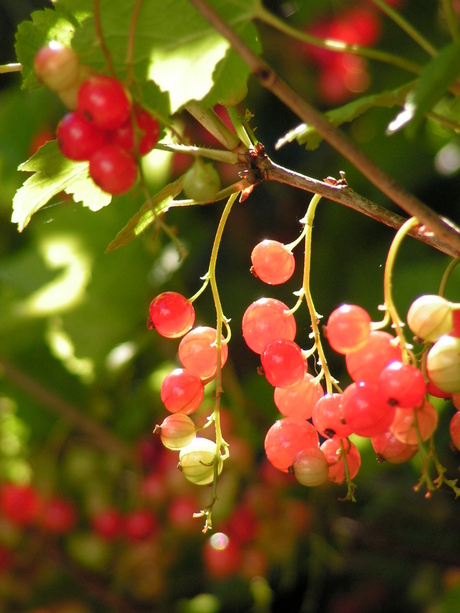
80,373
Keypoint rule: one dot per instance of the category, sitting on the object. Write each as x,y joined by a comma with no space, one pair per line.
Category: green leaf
146,215
306,134
438,75
182,52
54,173
45,26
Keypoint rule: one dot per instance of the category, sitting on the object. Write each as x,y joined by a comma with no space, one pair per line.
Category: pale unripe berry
197,461
443,364
429,317
57,66
177,431
201,181
311,467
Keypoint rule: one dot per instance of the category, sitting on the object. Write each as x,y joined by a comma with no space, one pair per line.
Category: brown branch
100,38
445,231
102,437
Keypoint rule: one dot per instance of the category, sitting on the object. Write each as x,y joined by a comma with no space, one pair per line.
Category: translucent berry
443,364
311,467
455,323
390,449
201,181
284,440
367,362
182,391
454,430
57,66
429,317
364,410
113,169
327,417
297,401
77,138
348,328
171,314
265,320
407,424
104,101
402,385
198,459
177,431
283,363
332,449
141,138
272,262
198,352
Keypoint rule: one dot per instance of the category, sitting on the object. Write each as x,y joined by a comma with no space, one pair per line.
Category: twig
4,68
271,81
102,437
100,37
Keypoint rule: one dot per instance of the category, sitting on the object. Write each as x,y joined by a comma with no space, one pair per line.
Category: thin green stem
337,46
100,38
215,126
446,275
407,27
451,18
221,320
314,317
6,68
387,285
219,155
131,42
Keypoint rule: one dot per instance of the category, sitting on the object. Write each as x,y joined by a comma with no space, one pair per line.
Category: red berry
198,352
367,362
140,524
327,417
182,391
390,449
265,320
454,430
311,467
272,262
283,363
171,314
222,556
297,401
140,137
408,424
104,101
332,448
348,328
284,440
20,504
108,523
364,410
59,516
402,385
177,431
77,138
57,66
113,169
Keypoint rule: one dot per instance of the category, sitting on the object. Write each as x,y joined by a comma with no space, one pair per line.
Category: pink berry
272,262
171,314
348,328
283,363
266,320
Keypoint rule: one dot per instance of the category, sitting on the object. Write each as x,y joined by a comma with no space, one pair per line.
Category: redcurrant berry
409,424
348,328
198,352
367,362
104,101
297,402
171,314
266,320
140,137
402,385
429,317
327,417
443,364
272,262
311,467
77,138
177,431
198,459
332,449
113,169
364,410
182,391
57,66
390,449
283,363
285,438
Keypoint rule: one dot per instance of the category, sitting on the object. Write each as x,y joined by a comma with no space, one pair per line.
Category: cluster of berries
387,400
104,126
182,390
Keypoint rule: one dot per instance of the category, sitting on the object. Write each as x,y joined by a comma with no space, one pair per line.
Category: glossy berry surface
198,352
272,262
390,449
285,438
443,364
429,317
182,391
332,449
367,362
409,424
364,410
139,134
298,400
104,101
177,431
201,181
311,467
327,417
171,314
402,385
265,320
454,430
113,169
198,459
348,328
283,363
77,138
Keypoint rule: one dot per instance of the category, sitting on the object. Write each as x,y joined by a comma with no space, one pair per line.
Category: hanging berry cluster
388,400
104,127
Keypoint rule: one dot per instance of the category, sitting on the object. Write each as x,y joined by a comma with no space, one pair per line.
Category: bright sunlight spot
62,347
219,541
447,160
